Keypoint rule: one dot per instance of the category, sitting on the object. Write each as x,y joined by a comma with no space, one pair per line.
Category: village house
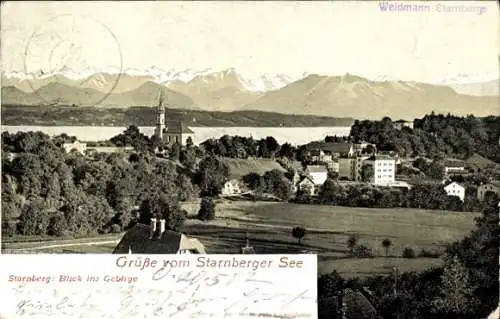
361,147
155,239
320,156
316,177
108,149
306,184
491,187
231,187
333,166
453,166
77,146
336,150
398,125
455,189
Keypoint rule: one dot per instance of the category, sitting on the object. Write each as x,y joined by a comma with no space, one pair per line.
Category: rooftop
177,127
336,147
138,239
316,169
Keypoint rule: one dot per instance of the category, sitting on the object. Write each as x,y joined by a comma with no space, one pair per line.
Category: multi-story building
384,170
351,168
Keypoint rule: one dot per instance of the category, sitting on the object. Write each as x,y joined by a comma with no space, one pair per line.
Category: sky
292,38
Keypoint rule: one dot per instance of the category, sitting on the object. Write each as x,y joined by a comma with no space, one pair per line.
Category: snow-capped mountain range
262,83
345,95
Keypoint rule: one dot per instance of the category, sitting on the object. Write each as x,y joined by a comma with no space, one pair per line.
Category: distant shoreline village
432,7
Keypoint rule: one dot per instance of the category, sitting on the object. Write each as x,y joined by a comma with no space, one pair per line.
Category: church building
170,131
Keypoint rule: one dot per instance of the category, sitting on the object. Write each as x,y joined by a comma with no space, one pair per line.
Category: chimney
153,227
162,227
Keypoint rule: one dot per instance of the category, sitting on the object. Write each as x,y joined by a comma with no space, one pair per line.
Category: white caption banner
158,286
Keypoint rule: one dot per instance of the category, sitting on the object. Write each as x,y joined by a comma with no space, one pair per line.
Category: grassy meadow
241,167
269,225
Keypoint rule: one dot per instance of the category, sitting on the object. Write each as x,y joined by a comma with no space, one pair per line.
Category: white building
455,189
398,125
318,173
231,187
453,166
493,187
384,170
307,185
333,166
77,146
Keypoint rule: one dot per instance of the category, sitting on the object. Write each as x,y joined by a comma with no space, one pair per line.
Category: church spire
160,116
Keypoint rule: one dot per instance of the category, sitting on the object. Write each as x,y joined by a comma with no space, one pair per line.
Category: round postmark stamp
73,60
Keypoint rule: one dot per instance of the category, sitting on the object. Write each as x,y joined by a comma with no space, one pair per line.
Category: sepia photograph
366,133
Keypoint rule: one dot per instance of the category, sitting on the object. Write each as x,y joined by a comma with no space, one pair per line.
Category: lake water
293,135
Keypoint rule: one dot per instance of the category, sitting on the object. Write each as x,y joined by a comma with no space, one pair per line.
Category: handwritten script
162,291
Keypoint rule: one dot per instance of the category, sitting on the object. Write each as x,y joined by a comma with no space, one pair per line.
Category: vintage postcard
242,159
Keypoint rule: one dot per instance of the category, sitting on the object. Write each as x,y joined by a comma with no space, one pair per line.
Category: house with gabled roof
155,239
455,189
338,149
492,187
232,187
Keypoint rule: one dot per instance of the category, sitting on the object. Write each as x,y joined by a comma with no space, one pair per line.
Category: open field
405,227
241,167
269,225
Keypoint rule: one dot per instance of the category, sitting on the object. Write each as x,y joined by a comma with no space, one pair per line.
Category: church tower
160,117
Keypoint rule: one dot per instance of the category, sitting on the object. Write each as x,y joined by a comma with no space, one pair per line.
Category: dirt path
63,245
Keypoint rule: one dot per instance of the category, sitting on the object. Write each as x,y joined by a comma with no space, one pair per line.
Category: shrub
429,254
362,251
408,253
207,209
352,241
115,229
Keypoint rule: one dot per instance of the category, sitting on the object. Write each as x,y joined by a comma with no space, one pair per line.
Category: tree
367,172
362,251
352,241
207,209
299,233
457,299
189,142
175,151
408,253
386,243
162,206
211,176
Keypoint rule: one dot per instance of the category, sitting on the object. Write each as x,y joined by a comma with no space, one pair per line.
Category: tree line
434,135
49,192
